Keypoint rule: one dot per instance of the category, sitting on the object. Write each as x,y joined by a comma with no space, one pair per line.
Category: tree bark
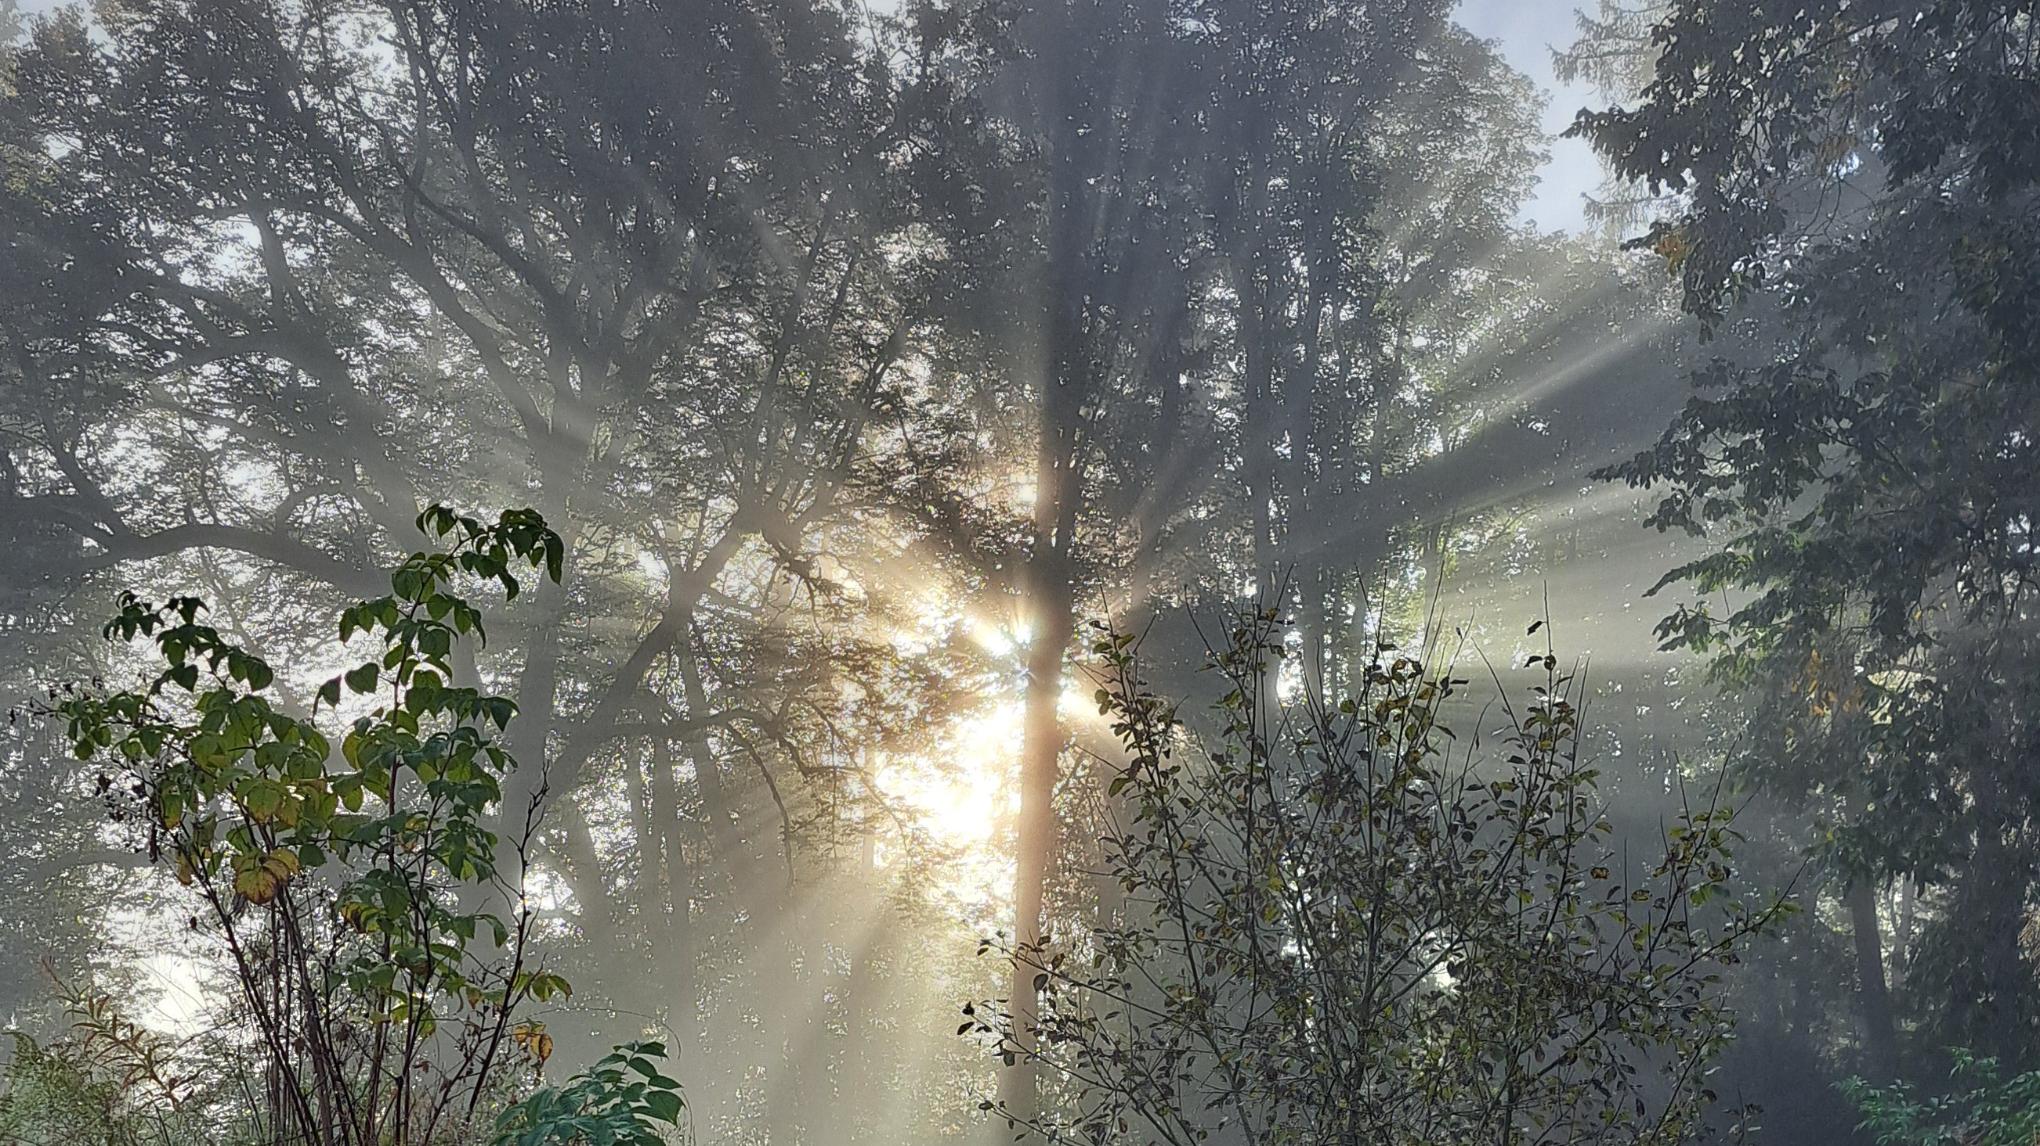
1880,1036
1052,597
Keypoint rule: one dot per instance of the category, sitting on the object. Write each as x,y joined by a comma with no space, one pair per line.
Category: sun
962,789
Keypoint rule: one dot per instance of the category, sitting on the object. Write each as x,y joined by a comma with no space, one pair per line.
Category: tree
1867,170
1363,169
1089,294
1218,284
286,272
1335,931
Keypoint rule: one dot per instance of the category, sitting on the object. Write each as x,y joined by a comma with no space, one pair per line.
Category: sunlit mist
1124,573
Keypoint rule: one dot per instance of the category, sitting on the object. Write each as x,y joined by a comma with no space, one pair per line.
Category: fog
1105,571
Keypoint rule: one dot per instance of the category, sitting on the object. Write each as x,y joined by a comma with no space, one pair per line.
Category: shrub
623,1100
1982,1108
350,879
1340,925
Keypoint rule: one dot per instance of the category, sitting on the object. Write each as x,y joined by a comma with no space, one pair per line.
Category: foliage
139,1061
1341,926
342,885
278,274
1985,1108
111,1082
1853,182
622,1100
688,275
53,1096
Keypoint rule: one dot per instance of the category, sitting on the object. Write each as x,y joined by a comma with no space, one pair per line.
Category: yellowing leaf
258,885
532,1039
1674,247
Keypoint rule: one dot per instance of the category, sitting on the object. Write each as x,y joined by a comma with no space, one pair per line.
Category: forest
840,572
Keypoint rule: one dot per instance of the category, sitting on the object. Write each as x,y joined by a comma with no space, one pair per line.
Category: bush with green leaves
1335,923
348,879
624,1100
1983,1107
110,1081
52,1096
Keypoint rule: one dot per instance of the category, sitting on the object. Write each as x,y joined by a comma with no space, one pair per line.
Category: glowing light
961,794
1001,640
964,802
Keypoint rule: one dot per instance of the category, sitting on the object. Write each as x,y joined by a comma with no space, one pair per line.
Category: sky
1528,31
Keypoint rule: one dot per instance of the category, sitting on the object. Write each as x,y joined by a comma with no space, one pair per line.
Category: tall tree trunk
1066,288
651,878
671,955
1880,1036
528,738
1040,754
1905,916
1052,599
1302,552
1260,430
725,831
1990,985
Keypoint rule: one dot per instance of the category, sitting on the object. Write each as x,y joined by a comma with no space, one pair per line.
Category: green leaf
263,798
664,1105
363,678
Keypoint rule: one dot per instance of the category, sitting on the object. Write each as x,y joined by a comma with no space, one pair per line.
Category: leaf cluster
623,1100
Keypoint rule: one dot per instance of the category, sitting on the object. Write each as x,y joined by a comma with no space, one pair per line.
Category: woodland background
862,357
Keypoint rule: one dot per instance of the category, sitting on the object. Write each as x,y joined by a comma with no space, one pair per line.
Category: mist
1105,571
